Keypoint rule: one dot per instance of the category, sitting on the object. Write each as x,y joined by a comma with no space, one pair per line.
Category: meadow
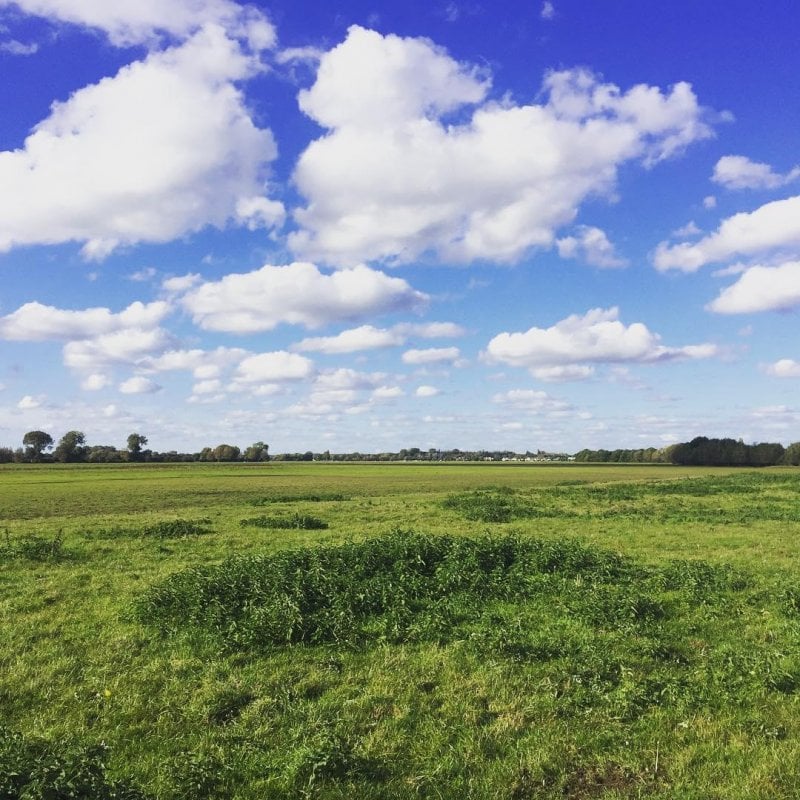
294,630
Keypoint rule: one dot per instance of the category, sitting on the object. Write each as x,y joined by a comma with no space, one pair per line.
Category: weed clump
35,548
304,522
403,587
32,768
166,529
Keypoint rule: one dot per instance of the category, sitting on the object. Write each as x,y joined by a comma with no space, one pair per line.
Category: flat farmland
399,630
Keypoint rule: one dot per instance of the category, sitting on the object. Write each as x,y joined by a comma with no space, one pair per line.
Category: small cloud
432,355
143,275
710,202
139,385
95,382
687,231
30,402
387,393
785,368
548,11
592,245
739,172
426,391
181,283
16,48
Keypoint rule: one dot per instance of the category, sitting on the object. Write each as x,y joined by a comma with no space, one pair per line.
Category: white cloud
387,393
772,226
366,337
164,148
426,391
739,172
431,330
432,355
347,379
563,374
29,402
689,230
591,245
34,322
392,180
207,387
596,337
129,346
271,368
16,48
761,289
297,294
181,283
709,202
95,382
530,400
139,385
548,11
130,22
784,368
204,364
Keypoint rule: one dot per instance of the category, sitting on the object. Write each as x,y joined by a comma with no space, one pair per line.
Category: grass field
399,631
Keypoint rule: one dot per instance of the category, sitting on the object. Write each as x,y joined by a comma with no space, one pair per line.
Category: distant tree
71,447
135,444
226,452
104,454
36,442
791,455
257,452
6,455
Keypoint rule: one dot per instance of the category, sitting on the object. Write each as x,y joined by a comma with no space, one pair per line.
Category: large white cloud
773,226
275,367
596,337
395,176
163,148
131,347
297,294
761,289
739,172
128,22
35,322
783,368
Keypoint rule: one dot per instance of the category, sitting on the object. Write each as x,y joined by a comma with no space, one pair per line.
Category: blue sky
368,226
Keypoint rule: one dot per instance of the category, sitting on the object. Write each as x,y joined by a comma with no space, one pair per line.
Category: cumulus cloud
530,400
774,225
95,382
596,337
162,149
297,294
431,330
204,364
272,368
139,385
29,402
784,368
131,22
426,391
761,289
387,393
130,346
34,322
365,337
392,179
432,355
739,172
181,283
592,246
563,374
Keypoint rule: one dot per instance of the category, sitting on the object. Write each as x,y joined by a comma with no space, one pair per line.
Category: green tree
135,444
36,442
257,452
226,452
71,447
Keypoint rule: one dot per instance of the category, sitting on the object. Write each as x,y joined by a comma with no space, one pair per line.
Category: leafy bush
31,769
35,548
303,522
166,529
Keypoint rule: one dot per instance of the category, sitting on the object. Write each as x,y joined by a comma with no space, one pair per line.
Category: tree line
39,447
702,451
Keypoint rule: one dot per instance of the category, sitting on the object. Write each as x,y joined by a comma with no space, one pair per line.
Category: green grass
485,631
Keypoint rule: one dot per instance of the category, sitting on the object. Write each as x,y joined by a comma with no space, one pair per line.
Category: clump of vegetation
305,497
166,529
35,548
33,768
303,522
486,505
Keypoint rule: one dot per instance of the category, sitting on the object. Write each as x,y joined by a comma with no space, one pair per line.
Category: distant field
399,631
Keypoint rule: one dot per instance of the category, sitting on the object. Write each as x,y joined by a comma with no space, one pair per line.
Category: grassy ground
545,632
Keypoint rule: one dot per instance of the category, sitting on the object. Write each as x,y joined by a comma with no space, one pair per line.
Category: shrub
303,522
